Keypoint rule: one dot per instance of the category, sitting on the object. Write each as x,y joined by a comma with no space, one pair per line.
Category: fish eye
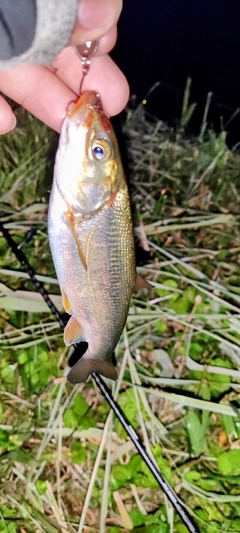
101,149
98,152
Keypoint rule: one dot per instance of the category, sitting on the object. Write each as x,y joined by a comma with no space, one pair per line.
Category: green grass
66,464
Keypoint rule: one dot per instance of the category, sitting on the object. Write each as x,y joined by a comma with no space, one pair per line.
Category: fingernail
8,124
97,14
12,122
88,14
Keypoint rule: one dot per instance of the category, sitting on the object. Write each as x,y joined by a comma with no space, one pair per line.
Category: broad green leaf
229,462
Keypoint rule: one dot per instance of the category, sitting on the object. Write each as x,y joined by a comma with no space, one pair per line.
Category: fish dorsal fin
66,303
73,332
142,283
86,366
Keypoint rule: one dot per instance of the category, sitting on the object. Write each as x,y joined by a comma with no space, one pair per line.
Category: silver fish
91,236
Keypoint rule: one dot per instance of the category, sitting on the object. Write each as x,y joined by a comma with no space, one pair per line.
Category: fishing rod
163,483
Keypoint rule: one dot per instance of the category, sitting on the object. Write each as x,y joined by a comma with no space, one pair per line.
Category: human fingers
7,117
70,53
68,66
37,89
107,79
46,96
95,18
24,83
104,77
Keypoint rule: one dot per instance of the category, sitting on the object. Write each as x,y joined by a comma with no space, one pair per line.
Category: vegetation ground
66,464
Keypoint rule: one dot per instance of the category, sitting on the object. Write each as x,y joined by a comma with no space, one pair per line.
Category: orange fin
73,332
66,303
80,253
69,214
142,283
86,366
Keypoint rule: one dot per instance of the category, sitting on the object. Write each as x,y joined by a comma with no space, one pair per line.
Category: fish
91,236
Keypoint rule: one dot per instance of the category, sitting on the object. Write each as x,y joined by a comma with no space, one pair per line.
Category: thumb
94,19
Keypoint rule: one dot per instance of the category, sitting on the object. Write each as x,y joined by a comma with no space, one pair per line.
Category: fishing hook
85,53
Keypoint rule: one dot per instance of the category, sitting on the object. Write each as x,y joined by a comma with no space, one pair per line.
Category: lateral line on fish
88,273
69,214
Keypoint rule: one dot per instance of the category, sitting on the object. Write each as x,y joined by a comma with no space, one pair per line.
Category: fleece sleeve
34,31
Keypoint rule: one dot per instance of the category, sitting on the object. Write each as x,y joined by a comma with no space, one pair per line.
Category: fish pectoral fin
142,283
86,366
81,254
71,221
73,332
66,303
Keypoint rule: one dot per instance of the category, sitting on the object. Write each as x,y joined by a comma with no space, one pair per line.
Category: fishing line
163,483
85,52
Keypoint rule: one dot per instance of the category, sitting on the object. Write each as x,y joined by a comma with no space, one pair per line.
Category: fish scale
110,277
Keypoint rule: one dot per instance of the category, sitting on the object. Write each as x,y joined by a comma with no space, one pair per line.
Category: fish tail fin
86,366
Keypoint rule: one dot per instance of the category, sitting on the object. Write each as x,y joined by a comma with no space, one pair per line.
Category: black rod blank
163,483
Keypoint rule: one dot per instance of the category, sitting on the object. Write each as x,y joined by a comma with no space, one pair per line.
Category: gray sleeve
34,31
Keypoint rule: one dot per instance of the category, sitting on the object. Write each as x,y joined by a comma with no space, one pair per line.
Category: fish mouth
83,108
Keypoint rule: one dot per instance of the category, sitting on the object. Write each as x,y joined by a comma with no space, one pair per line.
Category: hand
46,91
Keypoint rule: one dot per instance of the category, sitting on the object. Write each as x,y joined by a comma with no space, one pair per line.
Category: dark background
169,40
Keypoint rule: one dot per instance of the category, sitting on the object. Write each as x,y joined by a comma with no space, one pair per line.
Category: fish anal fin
142,283
71,220
73,332
86,366
66,303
